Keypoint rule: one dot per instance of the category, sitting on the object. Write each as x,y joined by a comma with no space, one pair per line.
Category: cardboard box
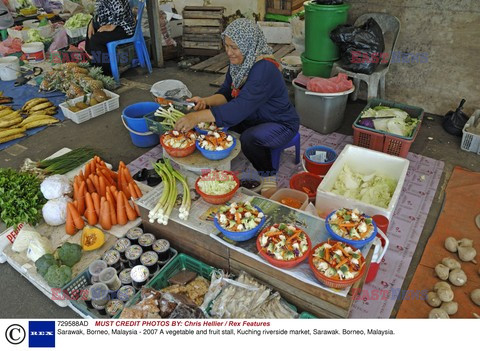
276,32
175,28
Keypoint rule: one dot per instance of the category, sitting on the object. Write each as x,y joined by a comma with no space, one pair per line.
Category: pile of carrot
102,196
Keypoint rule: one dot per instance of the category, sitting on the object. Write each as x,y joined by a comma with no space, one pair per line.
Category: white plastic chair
390,26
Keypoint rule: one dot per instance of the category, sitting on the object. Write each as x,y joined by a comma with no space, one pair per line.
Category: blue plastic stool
278,151
139,43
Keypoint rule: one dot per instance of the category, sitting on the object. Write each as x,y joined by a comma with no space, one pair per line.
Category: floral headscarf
252,43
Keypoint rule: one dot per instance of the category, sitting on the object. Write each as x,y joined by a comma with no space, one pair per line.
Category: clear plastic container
95,268
291,194
110,278
99,294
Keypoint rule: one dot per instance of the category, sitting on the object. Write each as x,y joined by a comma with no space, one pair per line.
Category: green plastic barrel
311,68
320,20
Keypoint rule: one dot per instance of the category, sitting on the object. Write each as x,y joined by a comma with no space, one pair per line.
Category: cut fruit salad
179,140
337,260
284,242
351,224
239,217
215,141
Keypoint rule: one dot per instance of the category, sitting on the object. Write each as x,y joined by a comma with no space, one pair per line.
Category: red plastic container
306,181
319,168
382,223
333,283
217,199
279,263
176,152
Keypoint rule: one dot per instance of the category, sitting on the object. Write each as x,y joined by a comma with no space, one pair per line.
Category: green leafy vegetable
80,20
67,162
402,124
21,200
374,189
35,36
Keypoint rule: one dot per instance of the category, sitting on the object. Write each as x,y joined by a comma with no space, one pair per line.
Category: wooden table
306,297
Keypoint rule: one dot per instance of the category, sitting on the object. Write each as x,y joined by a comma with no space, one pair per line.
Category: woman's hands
107,28
200,103
186,123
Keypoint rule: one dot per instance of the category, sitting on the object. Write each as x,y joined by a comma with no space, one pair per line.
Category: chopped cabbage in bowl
217,183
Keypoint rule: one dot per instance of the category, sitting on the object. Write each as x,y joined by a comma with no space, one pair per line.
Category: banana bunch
39,106
39,113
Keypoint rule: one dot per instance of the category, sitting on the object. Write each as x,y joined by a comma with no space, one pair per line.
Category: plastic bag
170,88
335,84
361,47
454,121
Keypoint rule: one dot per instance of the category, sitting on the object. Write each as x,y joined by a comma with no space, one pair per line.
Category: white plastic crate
470,141
77,32
44,31
92,111
363,161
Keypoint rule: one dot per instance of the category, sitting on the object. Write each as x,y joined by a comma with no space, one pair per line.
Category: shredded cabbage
373,188
217,183
80,20
402,124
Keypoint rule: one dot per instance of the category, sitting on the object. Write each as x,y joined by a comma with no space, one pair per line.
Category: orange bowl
177,152
281,263
330,282
218,199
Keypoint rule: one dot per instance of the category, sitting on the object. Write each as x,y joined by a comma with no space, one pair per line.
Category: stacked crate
284,7
203,26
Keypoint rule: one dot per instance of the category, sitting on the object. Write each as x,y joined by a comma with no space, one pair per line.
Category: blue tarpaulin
24,93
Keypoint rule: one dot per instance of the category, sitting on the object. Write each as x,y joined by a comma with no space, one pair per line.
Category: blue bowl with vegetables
245,227
351,227
216,154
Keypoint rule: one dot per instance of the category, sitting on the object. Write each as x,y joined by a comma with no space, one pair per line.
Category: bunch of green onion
67,162
170,116
164,207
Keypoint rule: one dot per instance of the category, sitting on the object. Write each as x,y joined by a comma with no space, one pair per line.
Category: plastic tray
77,32
93,111
391,144
470,141
83,280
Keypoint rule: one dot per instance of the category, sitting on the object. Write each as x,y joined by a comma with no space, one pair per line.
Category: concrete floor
20,299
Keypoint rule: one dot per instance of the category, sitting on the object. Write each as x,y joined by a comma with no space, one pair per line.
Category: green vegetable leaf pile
21,200
79,20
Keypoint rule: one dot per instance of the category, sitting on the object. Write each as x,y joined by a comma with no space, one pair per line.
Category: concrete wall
449,31
246,7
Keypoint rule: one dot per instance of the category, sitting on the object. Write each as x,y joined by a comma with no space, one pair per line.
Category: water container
132,118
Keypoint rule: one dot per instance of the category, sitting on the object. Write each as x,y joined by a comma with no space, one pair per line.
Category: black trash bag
454,121
328,2
361,48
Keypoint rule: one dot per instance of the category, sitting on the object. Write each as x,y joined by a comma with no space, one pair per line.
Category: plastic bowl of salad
205,127
240,221
217,187
216,145
283,245
337,264
178,144
351,227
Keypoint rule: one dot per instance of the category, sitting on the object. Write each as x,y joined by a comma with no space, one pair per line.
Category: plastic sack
454,121
360,47
10,46
48,5
170,88
337,84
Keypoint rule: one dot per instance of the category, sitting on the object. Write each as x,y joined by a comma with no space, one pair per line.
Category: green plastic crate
180,263
413,111
306,315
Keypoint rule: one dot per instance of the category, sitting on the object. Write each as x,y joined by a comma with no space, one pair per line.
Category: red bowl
280,263
330,282
306,180
217,199
176,152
